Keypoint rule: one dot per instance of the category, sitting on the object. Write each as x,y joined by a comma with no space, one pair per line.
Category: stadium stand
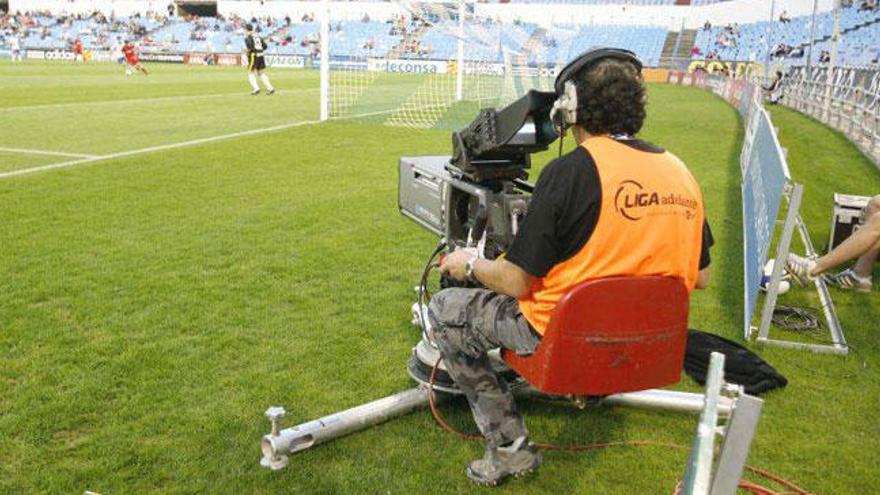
436,37
788,40
610,2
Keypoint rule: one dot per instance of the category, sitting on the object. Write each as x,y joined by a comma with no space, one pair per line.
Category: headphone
563,114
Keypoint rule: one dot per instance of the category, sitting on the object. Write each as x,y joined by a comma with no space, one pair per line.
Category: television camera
477,197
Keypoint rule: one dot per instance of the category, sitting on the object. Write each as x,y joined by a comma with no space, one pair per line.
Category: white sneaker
800,268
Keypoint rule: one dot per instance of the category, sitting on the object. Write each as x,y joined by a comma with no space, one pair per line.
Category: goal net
435,64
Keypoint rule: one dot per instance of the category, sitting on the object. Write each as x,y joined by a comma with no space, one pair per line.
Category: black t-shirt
255,45
564,211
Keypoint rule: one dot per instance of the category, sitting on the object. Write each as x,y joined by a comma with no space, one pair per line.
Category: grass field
152,305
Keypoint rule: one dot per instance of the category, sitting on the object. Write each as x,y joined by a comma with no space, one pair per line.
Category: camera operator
615,206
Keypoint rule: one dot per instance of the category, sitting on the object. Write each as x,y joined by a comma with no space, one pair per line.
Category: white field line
160,99
194,142
44,152
157,99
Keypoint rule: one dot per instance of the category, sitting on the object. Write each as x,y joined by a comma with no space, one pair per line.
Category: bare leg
865,244
865,264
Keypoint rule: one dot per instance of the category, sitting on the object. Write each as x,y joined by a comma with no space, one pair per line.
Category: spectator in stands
824,57
695,51
863,245
707,26
868,5
725,39
784,18
780,51
774,90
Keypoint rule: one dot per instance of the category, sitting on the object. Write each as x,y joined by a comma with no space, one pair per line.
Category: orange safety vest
650,223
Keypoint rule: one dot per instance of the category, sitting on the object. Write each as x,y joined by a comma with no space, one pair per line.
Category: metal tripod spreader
725,410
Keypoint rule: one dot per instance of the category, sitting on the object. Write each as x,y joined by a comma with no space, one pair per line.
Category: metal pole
839,341
667,400
277,445
734,453
306,435
459,76
829,82
782,250
767,39
698,476
654,399
812,37
325,60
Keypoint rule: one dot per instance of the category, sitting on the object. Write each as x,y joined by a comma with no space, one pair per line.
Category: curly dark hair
611,98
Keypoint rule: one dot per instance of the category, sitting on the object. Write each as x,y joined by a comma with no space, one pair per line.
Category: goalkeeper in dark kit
256,62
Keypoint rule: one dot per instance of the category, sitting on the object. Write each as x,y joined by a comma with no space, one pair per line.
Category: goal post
325,60
432,64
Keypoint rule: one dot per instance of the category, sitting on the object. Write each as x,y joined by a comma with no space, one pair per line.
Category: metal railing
849,103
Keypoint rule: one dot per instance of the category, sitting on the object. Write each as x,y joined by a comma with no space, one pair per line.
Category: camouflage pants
467,324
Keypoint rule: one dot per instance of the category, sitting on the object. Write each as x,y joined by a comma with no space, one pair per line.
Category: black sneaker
520,458
270,92
255,92
848,280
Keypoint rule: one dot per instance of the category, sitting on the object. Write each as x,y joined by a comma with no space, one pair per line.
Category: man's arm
498,275
703,278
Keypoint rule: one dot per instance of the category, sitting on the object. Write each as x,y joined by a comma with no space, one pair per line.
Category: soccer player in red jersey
131,57
78,50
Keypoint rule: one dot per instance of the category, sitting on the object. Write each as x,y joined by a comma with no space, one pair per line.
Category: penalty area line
156,99
30,151
184,144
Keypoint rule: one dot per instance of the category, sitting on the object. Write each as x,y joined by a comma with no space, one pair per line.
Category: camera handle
477,233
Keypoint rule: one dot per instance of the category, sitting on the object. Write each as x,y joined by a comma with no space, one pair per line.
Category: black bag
741,366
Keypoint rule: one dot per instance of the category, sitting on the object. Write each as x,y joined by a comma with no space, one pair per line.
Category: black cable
423,282
805,321
796,319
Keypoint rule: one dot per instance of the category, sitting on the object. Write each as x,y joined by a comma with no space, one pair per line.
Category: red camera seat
611,335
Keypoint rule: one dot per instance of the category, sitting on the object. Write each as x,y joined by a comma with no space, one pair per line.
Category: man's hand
703,278
499,275
453,265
